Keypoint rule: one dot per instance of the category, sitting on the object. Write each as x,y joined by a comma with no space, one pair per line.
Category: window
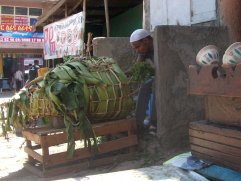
35,12
7,10
21,11
18,15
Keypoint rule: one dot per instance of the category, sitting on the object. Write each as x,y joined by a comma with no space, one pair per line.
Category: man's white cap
138,35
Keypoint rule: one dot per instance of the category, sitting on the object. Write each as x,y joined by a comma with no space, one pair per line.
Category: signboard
64,37
16,36
28,61
7,19
21,20
15,28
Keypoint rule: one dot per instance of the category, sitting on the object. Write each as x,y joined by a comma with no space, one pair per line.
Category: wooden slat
217,161
114,127
216,146
228,131
76,167
33,154
216,154
100,129
215,138
225,110
59,158
202,82
30,136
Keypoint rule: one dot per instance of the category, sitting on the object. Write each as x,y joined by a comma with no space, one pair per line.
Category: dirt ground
13,157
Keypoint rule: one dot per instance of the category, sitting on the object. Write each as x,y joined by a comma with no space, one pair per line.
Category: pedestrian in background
18,78
33,71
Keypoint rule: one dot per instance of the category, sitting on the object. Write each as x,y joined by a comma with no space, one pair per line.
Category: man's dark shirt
33,72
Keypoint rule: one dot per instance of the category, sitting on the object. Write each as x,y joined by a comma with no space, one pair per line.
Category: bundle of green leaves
142,71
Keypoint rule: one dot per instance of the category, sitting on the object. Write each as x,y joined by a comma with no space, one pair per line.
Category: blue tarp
215,172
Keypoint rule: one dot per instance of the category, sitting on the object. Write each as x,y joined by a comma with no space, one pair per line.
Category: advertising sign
15,28
7,19
64,37
16,36
21,20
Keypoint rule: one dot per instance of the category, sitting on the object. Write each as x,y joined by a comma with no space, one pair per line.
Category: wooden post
84,16
107,18
65,10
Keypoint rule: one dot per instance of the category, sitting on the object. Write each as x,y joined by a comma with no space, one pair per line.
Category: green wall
124,24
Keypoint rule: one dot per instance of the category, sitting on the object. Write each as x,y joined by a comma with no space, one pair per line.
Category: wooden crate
223,110
216,143
44,163
222,94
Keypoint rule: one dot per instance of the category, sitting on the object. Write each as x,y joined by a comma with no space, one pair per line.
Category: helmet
232,55
207,55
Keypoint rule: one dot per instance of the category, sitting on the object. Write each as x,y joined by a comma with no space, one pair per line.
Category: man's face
141,46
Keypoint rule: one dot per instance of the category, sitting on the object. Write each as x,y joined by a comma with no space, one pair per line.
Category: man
33,71
18,77
142,42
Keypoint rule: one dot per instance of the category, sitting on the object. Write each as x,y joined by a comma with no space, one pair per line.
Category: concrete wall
118,48
175,49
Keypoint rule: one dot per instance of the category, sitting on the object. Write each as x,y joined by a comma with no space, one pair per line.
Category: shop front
18,49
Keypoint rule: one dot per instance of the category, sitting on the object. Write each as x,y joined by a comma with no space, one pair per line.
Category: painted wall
124,24
175,49
179,12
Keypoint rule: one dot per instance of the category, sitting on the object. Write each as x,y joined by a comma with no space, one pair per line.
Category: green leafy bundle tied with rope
83,91
141,71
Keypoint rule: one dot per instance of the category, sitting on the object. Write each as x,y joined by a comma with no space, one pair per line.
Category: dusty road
13,157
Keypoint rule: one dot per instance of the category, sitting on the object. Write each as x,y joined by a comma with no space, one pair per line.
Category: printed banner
64,37
16,36
7,19
21,20
15,28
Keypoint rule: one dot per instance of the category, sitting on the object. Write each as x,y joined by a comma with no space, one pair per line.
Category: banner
7,19
64,37
21,20
15,28
16,36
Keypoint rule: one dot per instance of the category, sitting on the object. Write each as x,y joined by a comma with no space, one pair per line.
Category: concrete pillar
146,15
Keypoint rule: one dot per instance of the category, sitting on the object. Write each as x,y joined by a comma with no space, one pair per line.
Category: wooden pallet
120,139
216,143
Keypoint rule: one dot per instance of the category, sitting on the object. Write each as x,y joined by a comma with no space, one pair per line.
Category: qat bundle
93,89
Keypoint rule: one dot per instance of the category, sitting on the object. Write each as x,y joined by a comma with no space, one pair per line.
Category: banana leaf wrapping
103,84
83,91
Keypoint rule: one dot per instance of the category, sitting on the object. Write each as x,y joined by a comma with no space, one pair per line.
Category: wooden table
46,159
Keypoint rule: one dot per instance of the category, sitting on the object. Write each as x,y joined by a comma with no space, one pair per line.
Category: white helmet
232,55
207,55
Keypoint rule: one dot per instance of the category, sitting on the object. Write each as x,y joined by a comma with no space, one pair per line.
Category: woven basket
111,100
41,106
